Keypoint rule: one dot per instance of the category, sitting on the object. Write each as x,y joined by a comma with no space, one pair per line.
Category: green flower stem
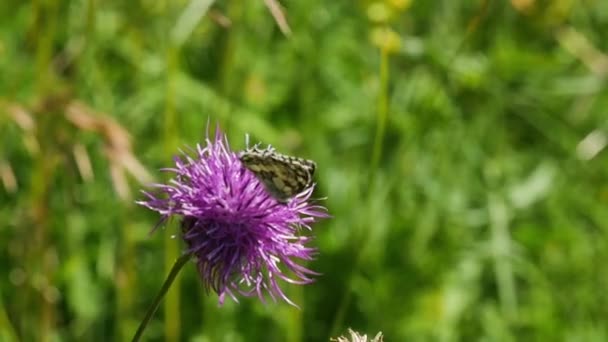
382,116
177,266
382,113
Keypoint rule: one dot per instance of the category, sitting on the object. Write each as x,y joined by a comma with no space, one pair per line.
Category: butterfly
283,176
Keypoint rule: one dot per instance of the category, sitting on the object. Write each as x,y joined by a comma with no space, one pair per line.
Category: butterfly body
283,176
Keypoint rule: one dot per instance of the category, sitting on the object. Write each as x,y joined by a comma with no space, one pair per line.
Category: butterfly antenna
247,140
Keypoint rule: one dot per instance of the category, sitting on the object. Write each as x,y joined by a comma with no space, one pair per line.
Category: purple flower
244,240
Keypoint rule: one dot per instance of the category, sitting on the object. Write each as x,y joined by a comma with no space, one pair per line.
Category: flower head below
356,337
243,239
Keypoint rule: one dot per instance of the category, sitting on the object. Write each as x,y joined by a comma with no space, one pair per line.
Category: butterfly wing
283,176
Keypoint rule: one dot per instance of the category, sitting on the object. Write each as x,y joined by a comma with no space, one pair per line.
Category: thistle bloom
243,239
356,337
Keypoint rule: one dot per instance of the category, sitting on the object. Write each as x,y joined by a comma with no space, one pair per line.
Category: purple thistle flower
244,240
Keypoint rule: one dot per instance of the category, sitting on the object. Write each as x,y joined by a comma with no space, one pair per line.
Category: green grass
468,200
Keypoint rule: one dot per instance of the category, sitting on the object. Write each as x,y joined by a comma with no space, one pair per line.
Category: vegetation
460,145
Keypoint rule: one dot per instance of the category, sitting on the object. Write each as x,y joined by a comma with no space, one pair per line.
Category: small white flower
355,337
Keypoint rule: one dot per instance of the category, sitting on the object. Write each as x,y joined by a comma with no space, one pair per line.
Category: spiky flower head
356,337
244,240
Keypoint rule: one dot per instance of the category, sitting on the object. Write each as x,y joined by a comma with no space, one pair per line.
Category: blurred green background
460,145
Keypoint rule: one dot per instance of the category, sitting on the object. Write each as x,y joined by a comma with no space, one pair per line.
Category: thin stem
382,115
177,266
501,246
